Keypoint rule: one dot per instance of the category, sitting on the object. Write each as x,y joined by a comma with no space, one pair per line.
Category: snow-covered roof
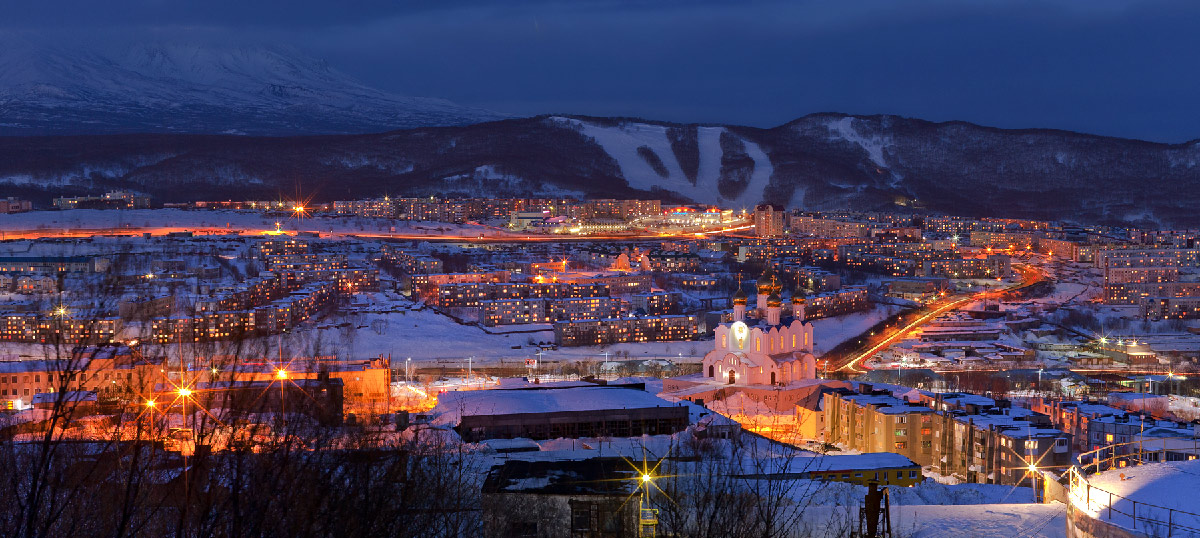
452,406
825,463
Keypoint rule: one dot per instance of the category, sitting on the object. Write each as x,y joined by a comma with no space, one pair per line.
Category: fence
1121,510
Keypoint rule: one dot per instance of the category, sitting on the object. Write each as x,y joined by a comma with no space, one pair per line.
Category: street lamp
407,375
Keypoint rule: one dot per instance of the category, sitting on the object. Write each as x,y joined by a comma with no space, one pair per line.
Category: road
854,364
454,235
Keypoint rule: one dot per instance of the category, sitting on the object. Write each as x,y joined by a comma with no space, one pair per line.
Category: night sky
1117,67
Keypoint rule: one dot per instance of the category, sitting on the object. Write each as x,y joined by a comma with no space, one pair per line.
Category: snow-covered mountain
188,88
818,162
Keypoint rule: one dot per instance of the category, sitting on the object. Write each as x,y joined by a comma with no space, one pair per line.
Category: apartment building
51,264
835,303
112,370
972,438
876,421
15,205
657,303
1123,427
768,220
374,208
821,227
595,332
998,445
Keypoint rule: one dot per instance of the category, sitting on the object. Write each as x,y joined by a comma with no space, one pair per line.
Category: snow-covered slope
174,87
819,162
629,144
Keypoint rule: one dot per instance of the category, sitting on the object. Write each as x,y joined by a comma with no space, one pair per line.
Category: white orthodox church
767,349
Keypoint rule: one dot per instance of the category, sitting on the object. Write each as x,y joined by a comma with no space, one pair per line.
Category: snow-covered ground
981,521
828,333
1162,492
966,510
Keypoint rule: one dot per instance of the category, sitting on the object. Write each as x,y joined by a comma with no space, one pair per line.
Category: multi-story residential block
670,262
57,328
512,312
1147,257
52,264
375,208
615,210
15,205
1169,307
835,303
998,446
657,303
1005,239
112,370
1119,428
876,421
427,286
597,332
808,277
768,220
822,227
1134,293
964,436
1073,417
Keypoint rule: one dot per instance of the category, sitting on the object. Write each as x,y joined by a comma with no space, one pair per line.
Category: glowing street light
61,311
281,374
646,478
151,403
185,392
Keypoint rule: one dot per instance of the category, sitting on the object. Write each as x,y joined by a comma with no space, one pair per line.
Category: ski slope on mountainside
622,143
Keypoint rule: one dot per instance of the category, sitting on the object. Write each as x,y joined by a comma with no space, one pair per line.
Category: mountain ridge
194,88
820,162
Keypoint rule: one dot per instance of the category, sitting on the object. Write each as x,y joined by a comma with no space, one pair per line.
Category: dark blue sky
1117,67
